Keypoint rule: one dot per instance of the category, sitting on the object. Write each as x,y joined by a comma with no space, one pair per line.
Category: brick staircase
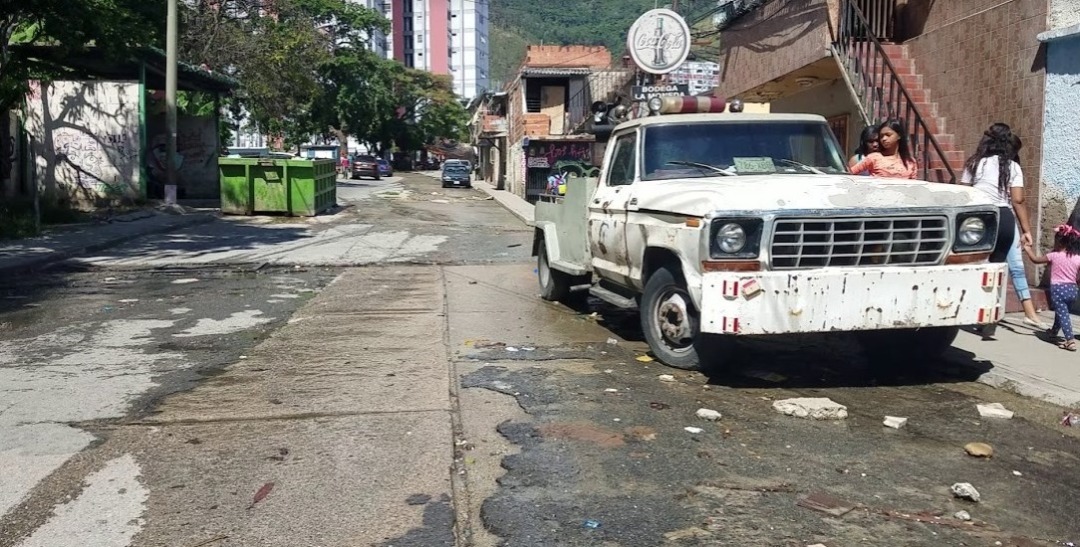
892,102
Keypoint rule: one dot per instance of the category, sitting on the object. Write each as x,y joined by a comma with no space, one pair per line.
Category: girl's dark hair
903,147
869,134
1068,242
998,141
1017,144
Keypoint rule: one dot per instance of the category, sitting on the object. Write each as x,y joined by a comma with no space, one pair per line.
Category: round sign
659,41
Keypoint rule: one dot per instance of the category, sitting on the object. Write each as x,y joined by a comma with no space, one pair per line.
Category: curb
36,263
527,218
1022,383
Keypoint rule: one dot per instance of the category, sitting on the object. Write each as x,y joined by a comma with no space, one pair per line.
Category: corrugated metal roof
555,71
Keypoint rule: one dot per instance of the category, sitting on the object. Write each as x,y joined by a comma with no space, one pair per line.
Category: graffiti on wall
83,140
195,159
95,161
544,155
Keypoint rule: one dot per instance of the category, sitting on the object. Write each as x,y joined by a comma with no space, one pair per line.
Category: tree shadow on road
24,291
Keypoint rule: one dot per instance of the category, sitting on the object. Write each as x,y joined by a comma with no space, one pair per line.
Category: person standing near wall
993,169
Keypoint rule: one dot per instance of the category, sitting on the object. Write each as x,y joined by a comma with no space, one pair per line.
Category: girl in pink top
1064,263
893,158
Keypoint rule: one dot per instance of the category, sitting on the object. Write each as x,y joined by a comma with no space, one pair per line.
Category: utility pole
170,103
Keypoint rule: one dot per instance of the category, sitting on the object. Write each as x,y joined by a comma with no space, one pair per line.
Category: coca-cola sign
659,41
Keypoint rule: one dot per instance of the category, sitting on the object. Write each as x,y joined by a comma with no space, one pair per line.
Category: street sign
659,41
646,92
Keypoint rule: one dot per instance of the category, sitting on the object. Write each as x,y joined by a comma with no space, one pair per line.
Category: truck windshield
740,148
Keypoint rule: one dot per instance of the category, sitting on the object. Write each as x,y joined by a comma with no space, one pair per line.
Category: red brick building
547,109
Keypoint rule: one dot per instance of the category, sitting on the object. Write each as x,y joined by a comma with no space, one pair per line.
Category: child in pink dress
1064,263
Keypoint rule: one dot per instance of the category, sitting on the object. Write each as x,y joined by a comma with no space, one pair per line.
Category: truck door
607,210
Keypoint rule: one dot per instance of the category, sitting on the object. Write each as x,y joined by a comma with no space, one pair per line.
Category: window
419,38
623,160
743,148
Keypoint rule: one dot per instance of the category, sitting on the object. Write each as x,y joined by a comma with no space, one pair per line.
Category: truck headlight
972,231
731,238
735,238
976,232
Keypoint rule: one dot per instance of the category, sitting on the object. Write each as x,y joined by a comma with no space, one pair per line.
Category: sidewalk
61,244
1023,363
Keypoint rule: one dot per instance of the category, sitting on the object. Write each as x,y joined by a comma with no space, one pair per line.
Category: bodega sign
646,92
659,41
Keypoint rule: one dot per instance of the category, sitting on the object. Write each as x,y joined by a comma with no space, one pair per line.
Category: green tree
113,27
427,110
302,65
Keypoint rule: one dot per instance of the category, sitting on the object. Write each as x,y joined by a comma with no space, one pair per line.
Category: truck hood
700,196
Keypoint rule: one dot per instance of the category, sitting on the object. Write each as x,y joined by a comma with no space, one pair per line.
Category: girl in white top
992,169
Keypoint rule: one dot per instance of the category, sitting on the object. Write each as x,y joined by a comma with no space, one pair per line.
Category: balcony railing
880,89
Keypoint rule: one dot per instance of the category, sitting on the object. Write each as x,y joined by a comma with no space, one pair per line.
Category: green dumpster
267,185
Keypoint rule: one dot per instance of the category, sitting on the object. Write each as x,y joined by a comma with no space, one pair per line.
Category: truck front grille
801,243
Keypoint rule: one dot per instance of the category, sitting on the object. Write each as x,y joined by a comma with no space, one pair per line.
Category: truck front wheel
671,324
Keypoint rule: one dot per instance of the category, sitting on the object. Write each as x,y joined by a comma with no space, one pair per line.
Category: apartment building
469,61
420,34
379,42
700,77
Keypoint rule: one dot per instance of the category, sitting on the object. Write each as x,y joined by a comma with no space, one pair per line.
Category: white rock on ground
814,408
895,422
994,410
708,414
693,430
962,515
666,378
966,491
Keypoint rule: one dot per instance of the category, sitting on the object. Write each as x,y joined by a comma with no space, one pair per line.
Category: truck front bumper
852,299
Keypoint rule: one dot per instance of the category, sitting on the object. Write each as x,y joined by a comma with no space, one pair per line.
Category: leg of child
1060,297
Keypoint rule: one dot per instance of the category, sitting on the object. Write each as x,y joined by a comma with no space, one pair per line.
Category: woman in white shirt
992,169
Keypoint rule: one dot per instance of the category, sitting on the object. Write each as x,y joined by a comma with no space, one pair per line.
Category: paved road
431,399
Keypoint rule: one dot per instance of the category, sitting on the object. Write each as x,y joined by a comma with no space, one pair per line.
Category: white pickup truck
721,225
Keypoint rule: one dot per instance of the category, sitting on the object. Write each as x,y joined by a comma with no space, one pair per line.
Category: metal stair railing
880,90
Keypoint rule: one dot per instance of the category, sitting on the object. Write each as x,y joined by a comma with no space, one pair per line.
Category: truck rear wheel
671,324
554,285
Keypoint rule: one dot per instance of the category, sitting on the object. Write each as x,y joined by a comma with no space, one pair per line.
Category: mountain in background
516,24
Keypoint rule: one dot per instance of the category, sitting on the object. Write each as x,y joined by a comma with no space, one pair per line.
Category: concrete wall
1064,13
832,99
85,141
981,63
1061,142
776,39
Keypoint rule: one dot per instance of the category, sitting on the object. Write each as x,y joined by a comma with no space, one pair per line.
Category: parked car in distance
384,168
365,166
466,163
456,174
